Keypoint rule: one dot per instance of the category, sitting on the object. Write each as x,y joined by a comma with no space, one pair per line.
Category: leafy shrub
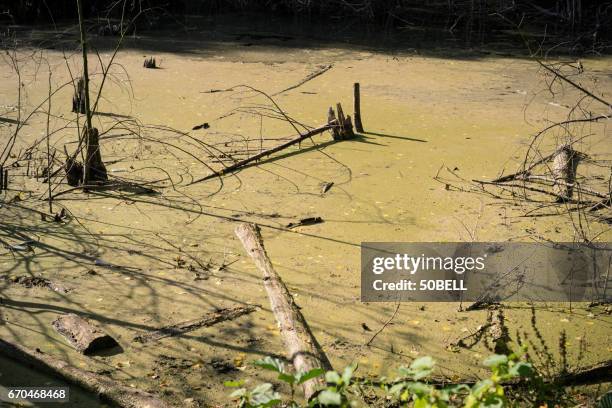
410,388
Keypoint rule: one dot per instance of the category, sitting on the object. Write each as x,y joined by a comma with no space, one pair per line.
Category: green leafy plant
336,393
410,388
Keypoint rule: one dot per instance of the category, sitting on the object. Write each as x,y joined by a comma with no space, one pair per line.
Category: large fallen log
302,347
184,327
265,153
106,388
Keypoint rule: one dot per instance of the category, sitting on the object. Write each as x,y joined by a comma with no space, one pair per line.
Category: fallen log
82,335
184,327
302,347
265,153
106,388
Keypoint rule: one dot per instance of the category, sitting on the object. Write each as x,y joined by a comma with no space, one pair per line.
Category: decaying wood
563,169
593,374
331,118
312,76
150,63
345,125
83,335
265,153
302,347
326,186
78,99
357,107
305,221
107,389
36,281
74,172
94,169
185,327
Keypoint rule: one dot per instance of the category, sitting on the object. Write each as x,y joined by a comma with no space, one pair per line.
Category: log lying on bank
85,337
185,327
302,347
107,389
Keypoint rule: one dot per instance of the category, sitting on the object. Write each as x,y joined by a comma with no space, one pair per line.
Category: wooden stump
74,172
150,63
331,118
565,163
94,169
344,129
82,335
357,108
78,99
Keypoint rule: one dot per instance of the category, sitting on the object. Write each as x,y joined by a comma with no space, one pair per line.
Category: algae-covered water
174,256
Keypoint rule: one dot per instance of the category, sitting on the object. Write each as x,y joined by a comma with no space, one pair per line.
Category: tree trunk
94,169
564,168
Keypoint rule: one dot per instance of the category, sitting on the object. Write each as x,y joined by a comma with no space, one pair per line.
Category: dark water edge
194,34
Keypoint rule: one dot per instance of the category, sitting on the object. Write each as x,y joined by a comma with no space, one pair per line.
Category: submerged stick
302,347
184,327
265,153
308,78
104,387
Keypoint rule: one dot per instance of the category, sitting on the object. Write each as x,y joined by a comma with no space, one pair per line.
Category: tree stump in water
74,172
150,63
95,171
565,163
82,335
78,99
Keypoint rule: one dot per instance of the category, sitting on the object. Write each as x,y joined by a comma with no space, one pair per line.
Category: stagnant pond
426,105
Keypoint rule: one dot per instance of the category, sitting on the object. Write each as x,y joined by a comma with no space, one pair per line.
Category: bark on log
82,335
107,389
564,168
265,153
302,347
184,327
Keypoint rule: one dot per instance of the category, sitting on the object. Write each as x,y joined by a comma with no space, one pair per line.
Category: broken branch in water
310,77
302,347
265,153
191,325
